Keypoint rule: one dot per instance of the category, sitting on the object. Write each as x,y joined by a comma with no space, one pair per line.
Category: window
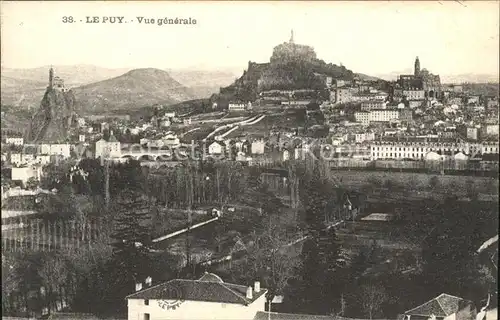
146,302
147,316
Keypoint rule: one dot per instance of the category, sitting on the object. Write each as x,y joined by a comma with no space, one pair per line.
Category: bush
389,184
434,182
374,181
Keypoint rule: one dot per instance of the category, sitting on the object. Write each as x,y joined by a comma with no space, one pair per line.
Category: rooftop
441,306
263,315
209,288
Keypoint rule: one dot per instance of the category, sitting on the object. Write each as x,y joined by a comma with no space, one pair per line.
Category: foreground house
443,307
206,298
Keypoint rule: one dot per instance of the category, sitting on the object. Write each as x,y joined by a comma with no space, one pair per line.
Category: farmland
406,185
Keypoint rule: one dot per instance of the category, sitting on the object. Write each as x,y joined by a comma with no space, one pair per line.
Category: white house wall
190,310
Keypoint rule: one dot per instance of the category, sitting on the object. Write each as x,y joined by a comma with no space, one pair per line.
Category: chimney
257,286
249,293
138,286
149,281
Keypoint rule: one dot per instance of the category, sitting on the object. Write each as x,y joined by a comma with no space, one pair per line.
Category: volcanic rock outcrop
53,120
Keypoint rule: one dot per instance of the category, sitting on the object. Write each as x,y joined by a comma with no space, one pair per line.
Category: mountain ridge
133,89
25,87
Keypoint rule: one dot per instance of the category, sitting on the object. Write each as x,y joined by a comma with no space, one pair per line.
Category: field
198,134
420,183
170,220
284,121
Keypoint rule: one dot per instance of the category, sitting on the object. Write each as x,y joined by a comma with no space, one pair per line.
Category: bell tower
51,77
417,67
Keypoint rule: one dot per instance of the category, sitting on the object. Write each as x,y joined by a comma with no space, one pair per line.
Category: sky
376,37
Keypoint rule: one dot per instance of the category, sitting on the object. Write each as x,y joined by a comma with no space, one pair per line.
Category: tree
471,190
132,240
374,181
56,175
316,283
372,298
389,184
434,182
32,183
131,260
413,183
315,196
53,273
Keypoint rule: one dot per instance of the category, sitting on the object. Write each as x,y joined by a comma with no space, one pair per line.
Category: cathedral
421,79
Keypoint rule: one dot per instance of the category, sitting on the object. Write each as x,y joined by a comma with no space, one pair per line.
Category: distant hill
132,90
25,87
14,121
470,77
74,75
22,92
367,77
203,83
23,84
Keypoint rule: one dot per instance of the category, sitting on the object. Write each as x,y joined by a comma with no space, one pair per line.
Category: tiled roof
263,315
490,157
197,290
441,306
210,277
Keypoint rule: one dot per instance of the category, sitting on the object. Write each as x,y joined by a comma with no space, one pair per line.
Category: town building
413,94
362,117
341,95
419,148
108,149
472,133
206,298
489,130
236,107
26,172
373,104
405,114
489,147
18,141
62,149
216,148
383,115
258,147
362,137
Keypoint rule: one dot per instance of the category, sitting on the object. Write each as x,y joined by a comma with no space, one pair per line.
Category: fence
39,235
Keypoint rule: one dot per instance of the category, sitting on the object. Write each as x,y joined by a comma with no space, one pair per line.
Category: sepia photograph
250,160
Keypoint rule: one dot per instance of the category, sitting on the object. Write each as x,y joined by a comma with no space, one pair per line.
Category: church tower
417,67
291,37
51,77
